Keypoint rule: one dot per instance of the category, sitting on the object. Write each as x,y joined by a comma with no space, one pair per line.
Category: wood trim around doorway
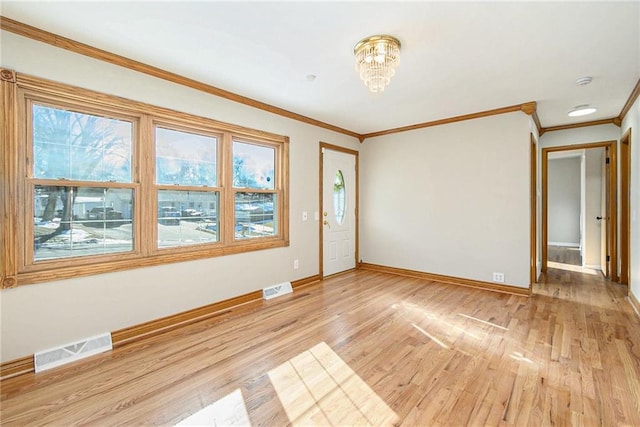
534,213
625,207
324,145
612,201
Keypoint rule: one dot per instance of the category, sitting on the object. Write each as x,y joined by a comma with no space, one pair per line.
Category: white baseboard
569,245
596,267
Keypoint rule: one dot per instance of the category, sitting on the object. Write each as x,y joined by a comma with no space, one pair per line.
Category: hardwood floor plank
366,348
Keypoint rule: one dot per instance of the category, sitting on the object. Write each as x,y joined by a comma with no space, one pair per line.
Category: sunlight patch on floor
227,411
521,358
413,313
431,337
317,387
570,267
483,322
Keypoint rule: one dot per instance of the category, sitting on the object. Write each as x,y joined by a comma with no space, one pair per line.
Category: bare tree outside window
71,146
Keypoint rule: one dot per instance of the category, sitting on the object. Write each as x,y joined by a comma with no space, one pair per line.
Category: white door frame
325,146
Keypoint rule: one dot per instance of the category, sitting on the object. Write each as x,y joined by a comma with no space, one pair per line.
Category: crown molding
536,121
71,45
611,121
527,108
627,106
55,40
531,109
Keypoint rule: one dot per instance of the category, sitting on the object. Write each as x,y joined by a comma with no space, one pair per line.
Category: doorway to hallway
579,217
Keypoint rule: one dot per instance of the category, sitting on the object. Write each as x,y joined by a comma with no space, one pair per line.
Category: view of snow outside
74,221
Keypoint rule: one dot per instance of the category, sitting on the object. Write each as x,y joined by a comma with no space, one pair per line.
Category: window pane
255,215
80,146
339,197
80,221
187,218
253,166
185,158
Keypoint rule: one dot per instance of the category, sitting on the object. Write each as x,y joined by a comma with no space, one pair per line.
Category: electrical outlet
296,264
316,216
498,277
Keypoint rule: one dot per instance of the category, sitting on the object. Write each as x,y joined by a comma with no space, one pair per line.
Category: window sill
37,274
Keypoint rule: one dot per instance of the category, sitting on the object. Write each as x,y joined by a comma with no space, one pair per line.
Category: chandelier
376,60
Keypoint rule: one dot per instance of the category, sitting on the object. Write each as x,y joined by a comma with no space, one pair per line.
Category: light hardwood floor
367,348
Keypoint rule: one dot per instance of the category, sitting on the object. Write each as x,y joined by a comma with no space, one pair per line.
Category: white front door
338,211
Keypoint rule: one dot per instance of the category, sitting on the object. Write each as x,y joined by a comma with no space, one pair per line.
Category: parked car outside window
168,215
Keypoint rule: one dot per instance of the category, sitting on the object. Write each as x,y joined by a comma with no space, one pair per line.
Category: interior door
338,211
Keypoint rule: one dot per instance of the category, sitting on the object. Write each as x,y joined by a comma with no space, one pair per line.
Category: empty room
218,213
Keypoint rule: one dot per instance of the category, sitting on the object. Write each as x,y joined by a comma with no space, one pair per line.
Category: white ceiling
457,57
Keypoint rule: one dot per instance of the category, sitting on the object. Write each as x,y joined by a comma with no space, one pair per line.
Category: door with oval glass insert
339,212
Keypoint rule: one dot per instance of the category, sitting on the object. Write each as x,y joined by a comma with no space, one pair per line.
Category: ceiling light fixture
583,81
377,58
582,110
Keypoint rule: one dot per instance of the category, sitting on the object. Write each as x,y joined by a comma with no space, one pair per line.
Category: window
254,186
91,213
81,221
187,192
339,198
111,184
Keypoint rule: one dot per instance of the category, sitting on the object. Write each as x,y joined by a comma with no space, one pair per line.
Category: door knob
325,222
598,218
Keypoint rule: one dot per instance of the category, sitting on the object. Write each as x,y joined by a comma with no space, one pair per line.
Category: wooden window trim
17,266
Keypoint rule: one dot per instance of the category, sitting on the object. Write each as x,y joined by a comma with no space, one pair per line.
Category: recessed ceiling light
583,81
582,110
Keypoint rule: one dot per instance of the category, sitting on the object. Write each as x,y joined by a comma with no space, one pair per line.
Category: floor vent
277,290
53,357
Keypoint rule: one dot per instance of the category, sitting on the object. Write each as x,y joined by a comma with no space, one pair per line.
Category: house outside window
111,184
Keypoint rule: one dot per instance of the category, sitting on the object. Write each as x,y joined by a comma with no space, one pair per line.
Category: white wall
632,121
37,317
593,205
451,199
563,210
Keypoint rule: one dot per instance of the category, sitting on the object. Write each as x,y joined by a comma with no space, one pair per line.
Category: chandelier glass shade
377,58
